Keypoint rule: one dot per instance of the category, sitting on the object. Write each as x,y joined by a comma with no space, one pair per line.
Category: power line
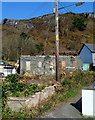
69,8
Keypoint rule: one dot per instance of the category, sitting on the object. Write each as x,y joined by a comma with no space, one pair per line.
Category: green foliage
46,107
30,89
72,85
13,87
13,84
20,87
69,93
24,35
5,20
78,76
8,113
61,98
65,81
39,47
16,87
79,22
13,78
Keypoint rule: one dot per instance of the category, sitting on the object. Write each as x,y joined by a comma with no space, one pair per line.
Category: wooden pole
57,41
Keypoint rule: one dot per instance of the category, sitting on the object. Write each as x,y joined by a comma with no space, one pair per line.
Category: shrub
65,81
20,87
5,20
79,22
13,87
39,47
13,78
78,76
13,83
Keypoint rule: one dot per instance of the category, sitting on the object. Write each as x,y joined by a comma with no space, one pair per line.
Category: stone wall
45,65
17,103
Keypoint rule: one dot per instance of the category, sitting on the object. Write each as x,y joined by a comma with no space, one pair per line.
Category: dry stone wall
16,103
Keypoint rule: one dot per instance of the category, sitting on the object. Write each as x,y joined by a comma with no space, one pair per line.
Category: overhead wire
67,9
79,10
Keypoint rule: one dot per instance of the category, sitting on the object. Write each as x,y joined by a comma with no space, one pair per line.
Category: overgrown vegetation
71,85
12,87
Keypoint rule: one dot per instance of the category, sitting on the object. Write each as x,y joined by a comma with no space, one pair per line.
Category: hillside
37,35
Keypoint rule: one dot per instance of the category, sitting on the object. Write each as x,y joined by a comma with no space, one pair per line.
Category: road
72,109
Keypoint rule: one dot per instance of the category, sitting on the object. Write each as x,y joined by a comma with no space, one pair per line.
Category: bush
20,87
39,47
65,81
13,87
79,22
13,78
5,20
78,76
13,83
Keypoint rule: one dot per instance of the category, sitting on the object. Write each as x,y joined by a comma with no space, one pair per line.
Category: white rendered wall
88,102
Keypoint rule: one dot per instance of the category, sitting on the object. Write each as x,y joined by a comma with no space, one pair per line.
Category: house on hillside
87,53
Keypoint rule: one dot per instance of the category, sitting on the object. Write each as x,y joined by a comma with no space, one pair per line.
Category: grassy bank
70,86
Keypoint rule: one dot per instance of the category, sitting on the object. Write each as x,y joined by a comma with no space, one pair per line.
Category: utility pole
57,41
57,35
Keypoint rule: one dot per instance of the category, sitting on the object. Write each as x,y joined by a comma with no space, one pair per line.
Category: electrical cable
80,9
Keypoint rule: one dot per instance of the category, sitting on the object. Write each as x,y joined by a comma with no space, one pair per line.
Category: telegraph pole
57,41
57,35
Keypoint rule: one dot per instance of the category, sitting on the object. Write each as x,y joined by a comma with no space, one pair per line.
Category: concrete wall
45,65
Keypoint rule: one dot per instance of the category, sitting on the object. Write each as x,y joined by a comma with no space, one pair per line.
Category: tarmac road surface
72,109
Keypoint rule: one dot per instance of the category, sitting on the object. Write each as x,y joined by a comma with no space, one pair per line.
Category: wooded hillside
37,35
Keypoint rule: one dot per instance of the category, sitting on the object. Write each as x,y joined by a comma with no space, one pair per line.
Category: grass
69,94
12,114
46,107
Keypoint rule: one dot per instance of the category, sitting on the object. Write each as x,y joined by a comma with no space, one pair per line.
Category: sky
27,10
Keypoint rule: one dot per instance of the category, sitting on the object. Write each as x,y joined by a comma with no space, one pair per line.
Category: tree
79,23
39,47
24,35
22,42
5,20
